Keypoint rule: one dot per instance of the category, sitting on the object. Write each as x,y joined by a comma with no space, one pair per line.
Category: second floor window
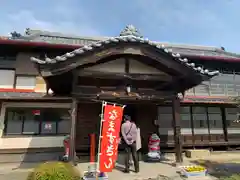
7,78
7,55
25,82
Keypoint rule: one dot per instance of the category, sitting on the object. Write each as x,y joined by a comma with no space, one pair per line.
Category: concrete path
14,176
15,171
165,169
147,170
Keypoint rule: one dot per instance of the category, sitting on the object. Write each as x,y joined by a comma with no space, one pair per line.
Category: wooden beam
177,130
119,92
126,76
127,61
174,82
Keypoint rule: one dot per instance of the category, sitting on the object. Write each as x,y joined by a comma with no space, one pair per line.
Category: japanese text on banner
110,137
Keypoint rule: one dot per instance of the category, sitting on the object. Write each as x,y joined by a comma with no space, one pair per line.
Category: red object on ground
110,137
153,144
66,146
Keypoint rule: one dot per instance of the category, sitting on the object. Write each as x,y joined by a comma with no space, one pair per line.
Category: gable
136,67
119,66
114,66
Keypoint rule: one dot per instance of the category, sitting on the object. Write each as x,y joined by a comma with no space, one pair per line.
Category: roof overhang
122,45
185,74
37,44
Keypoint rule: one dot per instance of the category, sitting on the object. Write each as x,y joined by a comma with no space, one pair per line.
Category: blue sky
200,22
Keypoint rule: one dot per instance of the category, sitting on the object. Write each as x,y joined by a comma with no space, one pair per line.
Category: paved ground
15,171
14,176
164,170
147,170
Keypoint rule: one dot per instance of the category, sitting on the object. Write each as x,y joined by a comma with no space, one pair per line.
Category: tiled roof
60,38
130,39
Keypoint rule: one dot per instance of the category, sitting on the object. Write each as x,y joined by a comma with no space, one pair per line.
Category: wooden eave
184,73
126,45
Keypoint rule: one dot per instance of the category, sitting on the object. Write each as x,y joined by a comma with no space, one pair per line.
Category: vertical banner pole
92,151
99,139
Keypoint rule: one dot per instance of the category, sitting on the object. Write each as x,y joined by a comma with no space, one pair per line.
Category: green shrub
54,171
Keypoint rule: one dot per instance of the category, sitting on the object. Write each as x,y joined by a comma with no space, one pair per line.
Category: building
66,72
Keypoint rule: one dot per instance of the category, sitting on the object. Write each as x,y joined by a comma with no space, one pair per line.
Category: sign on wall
48,126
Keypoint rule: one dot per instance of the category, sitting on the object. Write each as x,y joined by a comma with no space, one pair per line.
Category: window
202,89
7,78
185,114
232,117
237,77
7,55
224,78
215,120
217,89
200,120
37,121
25,82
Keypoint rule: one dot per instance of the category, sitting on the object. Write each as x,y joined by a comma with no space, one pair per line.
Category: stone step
197,153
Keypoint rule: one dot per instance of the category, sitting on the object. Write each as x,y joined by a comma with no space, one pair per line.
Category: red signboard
36,112
110,137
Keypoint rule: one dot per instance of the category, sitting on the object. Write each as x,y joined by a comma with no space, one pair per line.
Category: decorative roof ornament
130,30
15,35
27,31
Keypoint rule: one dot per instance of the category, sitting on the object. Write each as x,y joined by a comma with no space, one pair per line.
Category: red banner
110,137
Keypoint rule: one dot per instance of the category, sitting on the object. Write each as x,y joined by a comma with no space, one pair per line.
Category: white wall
31,142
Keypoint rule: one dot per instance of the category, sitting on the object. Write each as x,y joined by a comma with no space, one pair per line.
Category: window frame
8,55
24,76
14,77
6,105
232,125
203,127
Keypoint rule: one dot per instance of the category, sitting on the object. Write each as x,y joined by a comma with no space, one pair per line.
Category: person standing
129,135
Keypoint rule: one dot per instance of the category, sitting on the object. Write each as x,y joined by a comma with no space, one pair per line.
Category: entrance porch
88,121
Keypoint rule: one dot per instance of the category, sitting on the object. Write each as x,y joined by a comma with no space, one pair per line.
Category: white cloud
22,19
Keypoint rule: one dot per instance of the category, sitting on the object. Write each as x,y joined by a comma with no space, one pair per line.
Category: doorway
144,115
130,110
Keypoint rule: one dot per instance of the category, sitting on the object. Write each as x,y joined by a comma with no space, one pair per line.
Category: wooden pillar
192,127
177,130
73,130
224,122
74,110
